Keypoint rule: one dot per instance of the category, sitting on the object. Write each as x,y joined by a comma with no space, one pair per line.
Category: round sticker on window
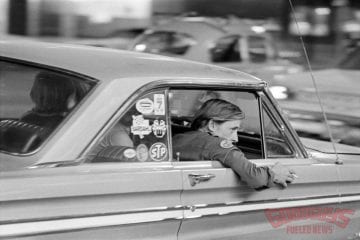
158,151
142,152
129,153
145,106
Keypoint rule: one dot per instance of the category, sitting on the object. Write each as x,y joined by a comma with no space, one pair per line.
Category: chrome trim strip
181,212
76,224
244,207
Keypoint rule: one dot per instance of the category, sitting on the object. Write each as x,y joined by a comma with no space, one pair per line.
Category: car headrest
20,137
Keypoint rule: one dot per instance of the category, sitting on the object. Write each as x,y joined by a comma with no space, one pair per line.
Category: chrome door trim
70,223
41,226
201,210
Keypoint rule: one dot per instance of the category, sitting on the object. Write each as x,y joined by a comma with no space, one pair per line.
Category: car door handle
197,178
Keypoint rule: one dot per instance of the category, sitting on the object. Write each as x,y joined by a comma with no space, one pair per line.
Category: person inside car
214,130
54,95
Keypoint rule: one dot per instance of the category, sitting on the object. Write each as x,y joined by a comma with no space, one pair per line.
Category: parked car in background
338,90
67,182
116,40
235,43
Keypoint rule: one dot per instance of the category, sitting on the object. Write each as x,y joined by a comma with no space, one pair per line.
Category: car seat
20,137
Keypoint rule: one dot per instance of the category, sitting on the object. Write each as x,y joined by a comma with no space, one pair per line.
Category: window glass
164,42
276,141
34,102
226,49
140,135
257,48
184,104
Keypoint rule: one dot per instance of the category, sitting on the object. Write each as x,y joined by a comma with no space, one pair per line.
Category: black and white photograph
179,119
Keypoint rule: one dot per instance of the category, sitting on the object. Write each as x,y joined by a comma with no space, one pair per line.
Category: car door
349,187
103,201
219,206
125,190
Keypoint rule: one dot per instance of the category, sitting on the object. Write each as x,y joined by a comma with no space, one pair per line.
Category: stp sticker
159,104
145,106
158,151
140,126
159,128
142,152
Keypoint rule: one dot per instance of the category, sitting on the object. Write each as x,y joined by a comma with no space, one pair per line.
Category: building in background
326,26
77,18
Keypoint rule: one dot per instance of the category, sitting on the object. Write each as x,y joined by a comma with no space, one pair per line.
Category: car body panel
49,202
225,201
108,62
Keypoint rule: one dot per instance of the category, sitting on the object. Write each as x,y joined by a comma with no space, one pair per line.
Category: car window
277,144
226,49
183,105
257,49
34,102
165,42
140,135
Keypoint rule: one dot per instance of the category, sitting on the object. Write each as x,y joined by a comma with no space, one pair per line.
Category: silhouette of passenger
54,95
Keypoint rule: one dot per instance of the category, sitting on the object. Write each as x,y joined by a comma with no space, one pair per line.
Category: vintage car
240,44
338,89
64,179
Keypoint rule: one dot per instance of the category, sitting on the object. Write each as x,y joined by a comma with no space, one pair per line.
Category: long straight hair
50,92
218,110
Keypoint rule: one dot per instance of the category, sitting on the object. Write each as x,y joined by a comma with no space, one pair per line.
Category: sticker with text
129,153
142,152
158,151
145,106
140,126
159,104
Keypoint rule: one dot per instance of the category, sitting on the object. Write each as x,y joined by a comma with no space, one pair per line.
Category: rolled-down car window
184,104
34,102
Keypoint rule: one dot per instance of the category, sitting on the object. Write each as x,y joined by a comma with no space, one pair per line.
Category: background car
338,91
67,182
229,42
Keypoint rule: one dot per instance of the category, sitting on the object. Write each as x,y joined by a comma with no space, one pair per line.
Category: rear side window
165,42
34,102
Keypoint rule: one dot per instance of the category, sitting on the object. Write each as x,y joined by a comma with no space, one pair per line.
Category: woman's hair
50,92
218,110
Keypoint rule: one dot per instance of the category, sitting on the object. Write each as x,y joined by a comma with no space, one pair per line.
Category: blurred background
326,25
265,38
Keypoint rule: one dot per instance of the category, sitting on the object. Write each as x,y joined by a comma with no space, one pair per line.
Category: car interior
28,92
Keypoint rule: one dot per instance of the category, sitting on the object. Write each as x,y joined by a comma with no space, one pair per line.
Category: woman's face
227,130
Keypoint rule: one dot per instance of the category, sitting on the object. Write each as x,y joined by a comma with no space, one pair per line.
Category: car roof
108,64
